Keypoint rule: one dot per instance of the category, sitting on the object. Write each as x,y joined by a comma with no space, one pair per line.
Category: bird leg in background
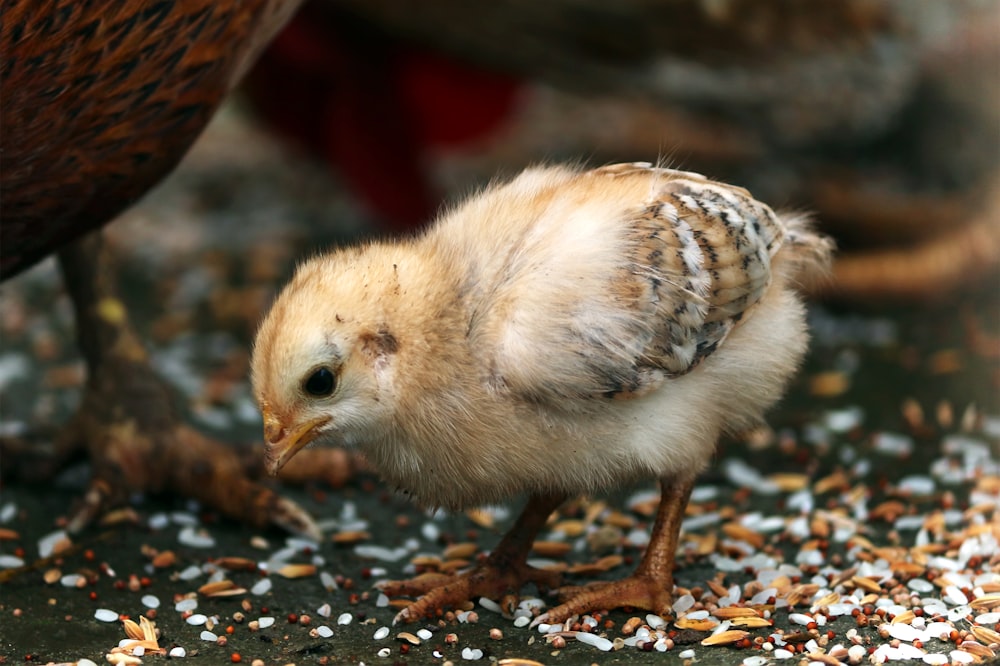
651,587
500,577
129,425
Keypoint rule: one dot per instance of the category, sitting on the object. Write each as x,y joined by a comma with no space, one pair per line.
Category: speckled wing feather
703,257
684,259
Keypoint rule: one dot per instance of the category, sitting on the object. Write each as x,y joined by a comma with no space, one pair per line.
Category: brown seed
571,528
148,629
986,601
906,617
61,546
826,600
453,565
696,625
557,641
978,649
604,564
743,533
631,625
717,588
985,635
866,584
836,481
123,516
726,637
551,548
750,622
829,384
619,519
496,634
481,518
945,362
236,563
350,536
730,612
460,551
790,482
132,630
164,559
945,414
913,413
8,534
408,637
221,588
519,661
52,576
297,570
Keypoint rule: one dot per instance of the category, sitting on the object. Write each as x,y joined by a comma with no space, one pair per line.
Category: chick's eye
320,383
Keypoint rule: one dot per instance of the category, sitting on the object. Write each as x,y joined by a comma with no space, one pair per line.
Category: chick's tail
806,256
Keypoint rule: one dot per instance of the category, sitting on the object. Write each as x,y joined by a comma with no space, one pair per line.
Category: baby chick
567,332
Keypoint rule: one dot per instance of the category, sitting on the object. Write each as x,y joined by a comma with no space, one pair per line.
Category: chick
567,332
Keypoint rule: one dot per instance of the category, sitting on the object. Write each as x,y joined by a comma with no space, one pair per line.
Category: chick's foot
127,423
651,586
500,577
639,591
500,582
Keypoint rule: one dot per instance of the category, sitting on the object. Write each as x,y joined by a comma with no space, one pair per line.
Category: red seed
230,629
93,596
292,618
235,657
88,555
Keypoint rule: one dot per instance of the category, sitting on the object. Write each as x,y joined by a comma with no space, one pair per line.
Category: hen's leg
128,423
500,577
651,587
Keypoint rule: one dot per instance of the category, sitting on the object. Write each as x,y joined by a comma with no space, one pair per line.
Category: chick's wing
620,278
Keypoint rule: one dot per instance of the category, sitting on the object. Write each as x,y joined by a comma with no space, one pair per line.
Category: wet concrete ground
886,399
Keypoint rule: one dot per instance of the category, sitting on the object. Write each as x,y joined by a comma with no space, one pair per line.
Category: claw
289,516
541,619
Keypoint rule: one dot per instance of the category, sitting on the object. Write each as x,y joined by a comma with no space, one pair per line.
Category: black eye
320,383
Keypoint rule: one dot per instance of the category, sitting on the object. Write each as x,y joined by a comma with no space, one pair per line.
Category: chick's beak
282,443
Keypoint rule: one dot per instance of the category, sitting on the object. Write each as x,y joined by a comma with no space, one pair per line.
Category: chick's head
321,365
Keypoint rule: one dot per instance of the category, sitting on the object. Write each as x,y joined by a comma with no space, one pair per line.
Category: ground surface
881,475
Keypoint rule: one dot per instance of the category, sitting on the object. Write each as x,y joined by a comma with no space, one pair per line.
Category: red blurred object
371,105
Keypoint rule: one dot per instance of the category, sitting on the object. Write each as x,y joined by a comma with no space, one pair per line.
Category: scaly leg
501,576
128,423
651,587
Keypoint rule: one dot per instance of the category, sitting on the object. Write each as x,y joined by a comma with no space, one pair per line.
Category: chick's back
605,283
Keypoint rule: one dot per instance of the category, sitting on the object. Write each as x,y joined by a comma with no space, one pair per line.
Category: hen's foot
500,582
128,425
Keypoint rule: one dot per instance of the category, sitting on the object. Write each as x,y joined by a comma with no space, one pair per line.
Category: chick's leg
651,587
127,420
500,577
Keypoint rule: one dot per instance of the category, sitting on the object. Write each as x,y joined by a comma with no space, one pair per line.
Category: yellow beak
282,443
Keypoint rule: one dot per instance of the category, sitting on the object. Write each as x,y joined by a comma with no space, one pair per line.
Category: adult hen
100,101
567,332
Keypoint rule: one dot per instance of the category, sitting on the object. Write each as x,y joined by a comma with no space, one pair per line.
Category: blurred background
881,118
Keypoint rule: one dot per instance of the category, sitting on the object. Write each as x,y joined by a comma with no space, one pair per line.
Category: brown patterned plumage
101,99
564,333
